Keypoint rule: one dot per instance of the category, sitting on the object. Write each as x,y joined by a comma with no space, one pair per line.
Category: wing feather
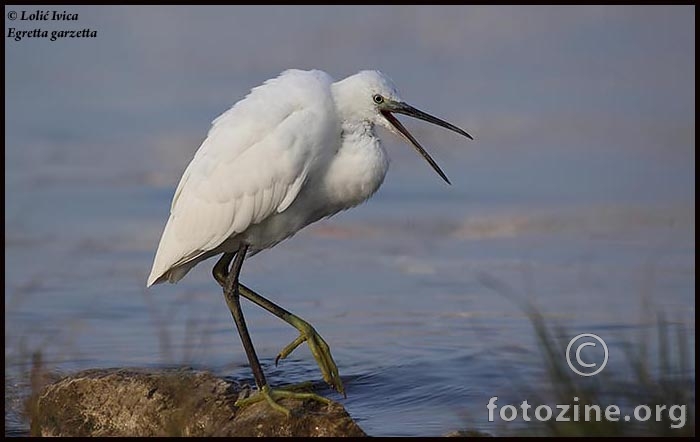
253,163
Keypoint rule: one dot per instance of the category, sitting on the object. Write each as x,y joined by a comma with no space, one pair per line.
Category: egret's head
371,96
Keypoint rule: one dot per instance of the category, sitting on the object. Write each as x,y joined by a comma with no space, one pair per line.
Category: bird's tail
172,275
171,262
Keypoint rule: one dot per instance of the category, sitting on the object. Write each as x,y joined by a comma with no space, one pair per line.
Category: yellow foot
319,349
272,396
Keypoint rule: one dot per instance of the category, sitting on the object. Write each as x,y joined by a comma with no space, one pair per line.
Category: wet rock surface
175,402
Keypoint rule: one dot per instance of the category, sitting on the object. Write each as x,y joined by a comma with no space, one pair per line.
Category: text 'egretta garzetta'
298,148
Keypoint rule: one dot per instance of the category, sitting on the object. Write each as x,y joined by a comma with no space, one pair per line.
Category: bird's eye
378,99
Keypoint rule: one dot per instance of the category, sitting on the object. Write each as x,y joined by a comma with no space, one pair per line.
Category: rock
175,402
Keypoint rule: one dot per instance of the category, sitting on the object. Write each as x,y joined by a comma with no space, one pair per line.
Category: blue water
577,195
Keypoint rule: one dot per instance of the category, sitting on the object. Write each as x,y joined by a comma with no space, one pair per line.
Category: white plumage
298,148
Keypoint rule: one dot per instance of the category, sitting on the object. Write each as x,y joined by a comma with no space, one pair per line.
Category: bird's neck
358,167
353,131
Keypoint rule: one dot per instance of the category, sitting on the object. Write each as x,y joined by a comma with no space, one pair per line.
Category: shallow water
417,290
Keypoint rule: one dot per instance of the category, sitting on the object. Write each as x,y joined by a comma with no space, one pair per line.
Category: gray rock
176,402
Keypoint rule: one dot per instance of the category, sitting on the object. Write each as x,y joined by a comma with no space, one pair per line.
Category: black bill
403,108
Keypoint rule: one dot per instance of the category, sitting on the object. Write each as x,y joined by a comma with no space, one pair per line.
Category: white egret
298,148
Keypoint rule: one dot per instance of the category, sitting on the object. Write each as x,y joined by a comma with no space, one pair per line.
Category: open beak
403,108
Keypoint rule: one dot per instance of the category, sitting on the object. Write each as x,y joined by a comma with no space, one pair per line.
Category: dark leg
220,270
231,294
318,346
